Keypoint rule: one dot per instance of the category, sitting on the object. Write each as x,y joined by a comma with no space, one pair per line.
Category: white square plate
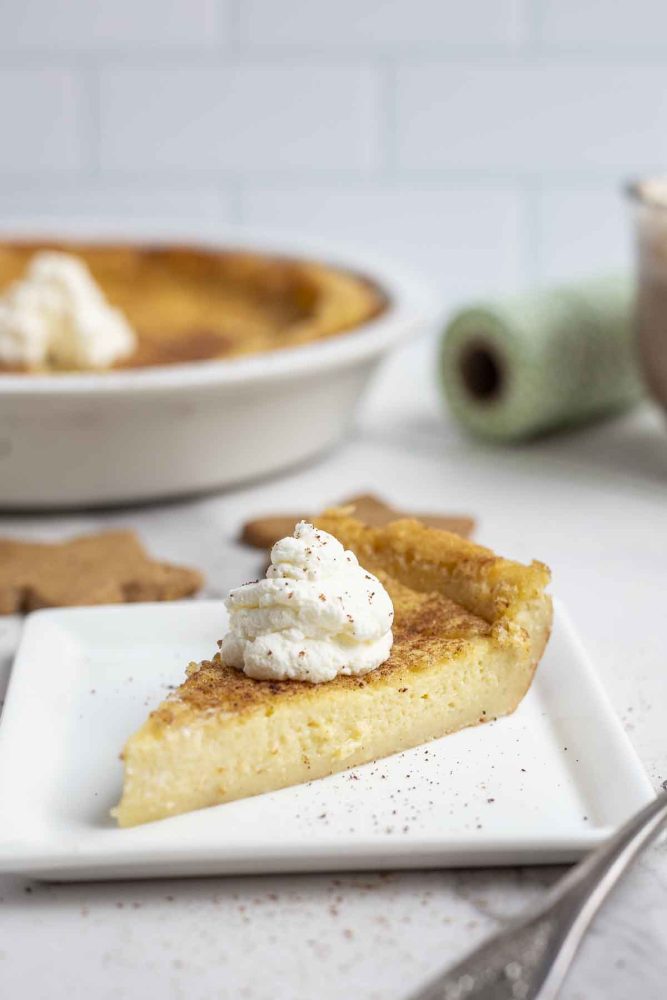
543,785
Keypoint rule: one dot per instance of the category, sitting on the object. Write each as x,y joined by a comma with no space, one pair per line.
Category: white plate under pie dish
93,439
541,786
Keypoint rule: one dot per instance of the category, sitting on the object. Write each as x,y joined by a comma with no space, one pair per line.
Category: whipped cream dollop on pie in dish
56,317
316,615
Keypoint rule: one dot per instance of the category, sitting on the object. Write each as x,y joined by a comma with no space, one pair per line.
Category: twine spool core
482,371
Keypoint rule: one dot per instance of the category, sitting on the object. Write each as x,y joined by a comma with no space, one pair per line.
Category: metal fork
529,959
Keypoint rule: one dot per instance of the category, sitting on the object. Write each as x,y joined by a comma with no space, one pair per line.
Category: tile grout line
531,52
404,180
532,31
230,14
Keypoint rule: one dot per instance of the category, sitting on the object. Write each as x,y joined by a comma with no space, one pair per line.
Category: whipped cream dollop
57,317
317,614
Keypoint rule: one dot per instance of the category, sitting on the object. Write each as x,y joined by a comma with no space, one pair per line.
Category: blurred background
484,142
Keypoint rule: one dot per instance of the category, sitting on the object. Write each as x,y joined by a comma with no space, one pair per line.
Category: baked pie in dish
469,630
195,304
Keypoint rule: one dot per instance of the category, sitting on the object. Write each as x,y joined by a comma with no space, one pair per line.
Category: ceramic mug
649,198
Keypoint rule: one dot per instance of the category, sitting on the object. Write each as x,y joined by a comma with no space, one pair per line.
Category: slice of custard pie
361,642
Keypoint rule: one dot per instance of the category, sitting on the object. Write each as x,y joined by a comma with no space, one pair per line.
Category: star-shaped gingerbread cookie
108,568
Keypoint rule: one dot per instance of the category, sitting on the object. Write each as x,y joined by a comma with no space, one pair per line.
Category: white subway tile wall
463,238
529,119
42,121
167,207
575,223
347,23
98,25
605,24
243,117
484,143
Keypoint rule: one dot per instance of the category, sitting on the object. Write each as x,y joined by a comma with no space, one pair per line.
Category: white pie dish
543,785
90,439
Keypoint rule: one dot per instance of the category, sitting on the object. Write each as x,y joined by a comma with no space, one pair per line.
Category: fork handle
529,959
579,895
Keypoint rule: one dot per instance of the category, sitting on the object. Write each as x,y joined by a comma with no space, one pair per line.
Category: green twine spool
543,361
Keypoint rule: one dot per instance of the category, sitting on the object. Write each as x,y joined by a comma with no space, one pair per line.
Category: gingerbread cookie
108,568
263,532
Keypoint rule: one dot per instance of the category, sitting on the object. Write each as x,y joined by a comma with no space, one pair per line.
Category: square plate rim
74,861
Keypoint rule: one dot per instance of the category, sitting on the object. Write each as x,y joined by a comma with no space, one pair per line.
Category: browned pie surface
424,624
189,304
420,567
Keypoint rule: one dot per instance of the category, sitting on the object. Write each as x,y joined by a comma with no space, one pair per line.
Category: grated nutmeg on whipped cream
317,614
56,317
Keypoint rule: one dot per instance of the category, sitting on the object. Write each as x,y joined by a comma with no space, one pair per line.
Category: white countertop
592,505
